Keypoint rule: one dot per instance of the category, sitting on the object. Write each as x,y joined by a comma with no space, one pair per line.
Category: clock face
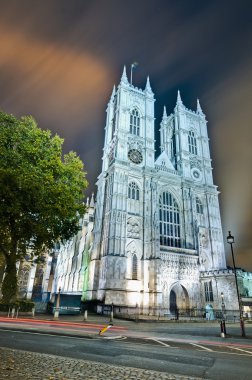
135,156
196,174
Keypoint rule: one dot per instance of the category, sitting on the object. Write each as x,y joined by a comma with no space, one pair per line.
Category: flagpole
133,65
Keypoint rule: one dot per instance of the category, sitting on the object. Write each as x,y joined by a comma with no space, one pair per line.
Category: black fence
164,314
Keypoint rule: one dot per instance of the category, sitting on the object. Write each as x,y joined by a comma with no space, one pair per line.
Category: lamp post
57,308
230,240
223,312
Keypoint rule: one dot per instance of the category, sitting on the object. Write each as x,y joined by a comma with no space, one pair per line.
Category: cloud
230,111
56,82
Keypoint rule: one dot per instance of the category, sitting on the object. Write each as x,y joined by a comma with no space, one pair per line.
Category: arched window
199,206
133,191
192,142
134,267
135,122
169,221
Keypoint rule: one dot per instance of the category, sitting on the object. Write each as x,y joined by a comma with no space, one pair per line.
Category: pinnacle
92,201
113,92
199,109
112,95
164,113
148,86
179,101
124,78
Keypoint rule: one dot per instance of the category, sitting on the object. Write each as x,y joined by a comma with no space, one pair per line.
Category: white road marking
240,349
204,348
159,341
119,337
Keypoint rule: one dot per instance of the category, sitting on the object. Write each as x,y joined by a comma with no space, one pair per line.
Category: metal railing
164,314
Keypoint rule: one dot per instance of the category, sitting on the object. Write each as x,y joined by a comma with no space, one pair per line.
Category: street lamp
223,309
223,312
230,240
57,308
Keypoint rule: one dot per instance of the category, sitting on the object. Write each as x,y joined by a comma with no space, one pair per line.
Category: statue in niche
204,248
203,238
133,228
118,271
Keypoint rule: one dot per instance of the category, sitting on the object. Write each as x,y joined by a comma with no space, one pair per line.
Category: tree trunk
9,285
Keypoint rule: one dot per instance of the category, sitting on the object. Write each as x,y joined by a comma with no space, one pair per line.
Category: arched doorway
179,300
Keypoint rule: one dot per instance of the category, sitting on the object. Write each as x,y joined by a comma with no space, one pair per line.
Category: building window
199,206
134,267
133,191
208,291
169,221
135,122
192,142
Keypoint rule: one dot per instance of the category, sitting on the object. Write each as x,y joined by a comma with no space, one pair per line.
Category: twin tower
157,229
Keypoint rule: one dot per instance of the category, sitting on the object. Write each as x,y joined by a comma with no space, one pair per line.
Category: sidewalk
170,330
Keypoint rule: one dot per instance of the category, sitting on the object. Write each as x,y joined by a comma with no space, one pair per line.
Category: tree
41,194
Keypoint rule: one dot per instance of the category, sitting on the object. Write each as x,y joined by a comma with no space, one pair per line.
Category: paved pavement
23,365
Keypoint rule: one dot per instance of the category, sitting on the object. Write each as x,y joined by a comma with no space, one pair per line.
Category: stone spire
199,109
124,78
113,93
164,113
87,203
179,101
92,201
148,86
179,104
112,96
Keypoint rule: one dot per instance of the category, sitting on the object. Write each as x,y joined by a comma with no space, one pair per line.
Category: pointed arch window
134,267
208,291
135,122
133,191
169,221
199,206
192,142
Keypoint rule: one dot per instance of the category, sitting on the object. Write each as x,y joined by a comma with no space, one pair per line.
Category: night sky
60,59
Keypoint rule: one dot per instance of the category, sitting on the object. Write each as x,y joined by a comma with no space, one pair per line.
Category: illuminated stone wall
130,262
156,240
70,271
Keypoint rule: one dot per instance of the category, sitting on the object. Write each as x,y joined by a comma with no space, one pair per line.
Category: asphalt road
208,361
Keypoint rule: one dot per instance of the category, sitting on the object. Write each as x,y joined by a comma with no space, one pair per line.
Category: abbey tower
157,227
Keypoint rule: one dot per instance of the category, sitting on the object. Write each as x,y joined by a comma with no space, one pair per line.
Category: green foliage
23,305
6,306
41,191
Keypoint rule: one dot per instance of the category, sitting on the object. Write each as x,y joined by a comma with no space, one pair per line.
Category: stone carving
178,267
204,259
195,163
135,143
203,237
133,228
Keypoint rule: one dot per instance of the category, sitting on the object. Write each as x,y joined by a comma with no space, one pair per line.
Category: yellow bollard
105,328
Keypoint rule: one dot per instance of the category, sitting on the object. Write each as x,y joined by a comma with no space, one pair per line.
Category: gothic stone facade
154,237
157,221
